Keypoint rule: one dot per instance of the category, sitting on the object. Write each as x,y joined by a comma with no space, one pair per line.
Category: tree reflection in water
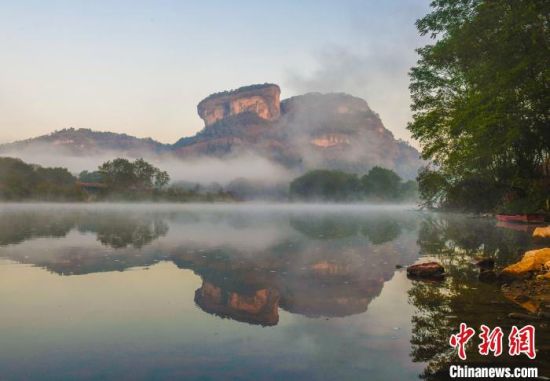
313,264
456,241
121,231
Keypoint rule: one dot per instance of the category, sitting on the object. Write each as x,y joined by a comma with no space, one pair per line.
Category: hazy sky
141,67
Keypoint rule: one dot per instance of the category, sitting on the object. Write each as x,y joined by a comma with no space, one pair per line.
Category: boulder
532,261
430,270
542,232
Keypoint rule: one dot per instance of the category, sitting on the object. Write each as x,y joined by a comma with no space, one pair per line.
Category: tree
326,185
480,96
22,181
123,175
90,177
432,187
382,183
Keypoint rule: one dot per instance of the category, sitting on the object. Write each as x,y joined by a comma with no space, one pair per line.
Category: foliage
122,180
480,101
382,183
439,308
326,185
123,175
236,91
90,177
22,181
432,187
379,184
176,193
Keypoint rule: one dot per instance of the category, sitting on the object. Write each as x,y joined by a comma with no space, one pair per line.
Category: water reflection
258,264
441,307
309,263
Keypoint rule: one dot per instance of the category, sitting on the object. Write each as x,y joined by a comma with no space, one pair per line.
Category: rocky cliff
333,131
339,131
310,131
262,100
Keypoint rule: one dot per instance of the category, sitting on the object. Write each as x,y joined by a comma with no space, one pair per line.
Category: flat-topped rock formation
310,131
262,100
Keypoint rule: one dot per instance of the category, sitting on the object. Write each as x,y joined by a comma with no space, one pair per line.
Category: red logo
520,341
461,339
491,341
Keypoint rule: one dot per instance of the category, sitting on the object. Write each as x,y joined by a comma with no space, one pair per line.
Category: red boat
525,218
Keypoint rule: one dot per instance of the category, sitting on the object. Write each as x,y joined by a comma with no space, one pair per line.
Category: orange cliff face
331,140
262,100
260,307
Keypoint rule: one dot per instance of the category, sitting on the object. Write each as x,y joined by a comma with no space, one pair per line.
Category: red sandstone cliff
333,131
262,100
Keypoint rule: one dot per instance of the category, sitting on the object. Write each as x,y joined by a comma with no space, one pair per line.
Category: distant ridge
310,131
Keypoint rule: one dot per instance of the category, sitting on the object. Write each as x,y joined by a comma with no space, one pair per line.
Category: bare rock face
334,131
262,100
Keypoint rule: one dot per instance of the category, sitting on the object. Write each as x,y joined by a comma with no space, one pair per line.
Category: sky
141,67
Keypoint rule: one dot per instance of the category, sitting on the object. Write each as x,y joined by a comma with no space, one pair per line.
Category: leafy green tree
123,175
432,187
326,185
379,184
90,177
161,179
480,99
22,181
118,174
382,183
17,179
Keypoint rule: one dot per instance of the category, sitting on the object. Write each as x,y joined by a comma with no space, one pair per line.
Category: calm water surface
244,292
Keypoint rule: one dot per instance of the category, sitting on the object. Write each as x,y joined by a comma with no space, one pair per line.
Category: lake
245,292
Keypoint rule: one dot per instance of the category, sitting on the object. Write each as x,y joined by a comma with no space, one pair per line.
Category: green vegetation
121,176
90,177
480,102
22,181
379,184
139,180
116,180
235,91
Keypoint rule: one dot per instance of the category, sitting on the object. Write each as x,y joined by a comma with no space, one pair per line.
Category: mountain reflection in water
262,265
251,263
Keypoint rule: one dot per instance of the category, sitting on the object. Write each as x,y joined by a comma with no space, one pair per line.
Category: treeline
123,180
21,181
378,185
138,180
480,102
114,180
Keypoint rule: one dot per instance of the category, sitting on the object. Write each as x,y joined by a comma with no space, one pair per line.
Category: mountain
83,142
314,130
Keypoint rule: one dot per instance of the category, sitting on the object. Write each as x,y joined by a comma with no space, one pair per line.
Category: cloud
373,63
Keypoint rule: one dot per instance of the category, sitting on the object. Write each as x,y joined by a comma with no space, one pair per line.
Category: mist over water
253,291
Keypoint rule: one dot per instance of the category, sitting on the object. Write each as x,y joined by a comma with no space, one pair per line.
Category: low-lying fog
200,170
